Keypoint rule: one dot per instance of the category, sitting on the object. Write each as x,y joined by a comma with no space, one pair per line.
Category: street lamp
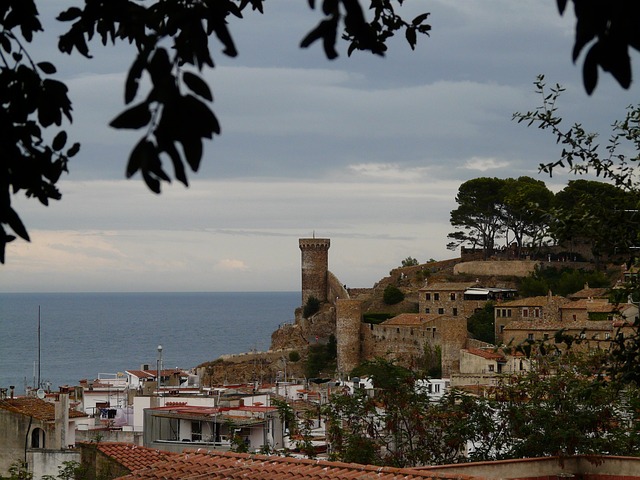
159,368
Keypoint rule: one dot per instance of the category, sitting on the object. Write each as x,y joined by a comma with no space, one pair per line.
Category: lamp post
159,368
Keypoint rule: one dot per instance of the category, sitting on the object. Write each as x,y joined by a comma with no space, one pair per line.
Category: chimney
12,388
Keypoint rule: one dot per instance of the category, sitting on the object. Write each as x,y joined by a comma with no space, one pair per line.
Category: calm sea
83,334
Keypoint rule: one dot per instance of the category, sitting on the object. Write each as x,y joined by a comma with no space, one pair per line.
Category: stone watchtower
315,268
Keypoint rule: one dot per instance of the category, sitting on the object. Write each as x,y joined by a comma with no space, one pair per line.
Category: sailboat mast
38,385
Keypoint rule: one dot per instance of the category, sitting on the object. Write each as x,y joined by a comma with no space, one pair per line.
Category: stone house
39,432
408,336
531,311
459,298
481,366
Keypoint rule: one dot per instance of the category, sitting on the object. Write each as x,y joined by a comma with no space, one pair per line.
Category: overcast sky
366,151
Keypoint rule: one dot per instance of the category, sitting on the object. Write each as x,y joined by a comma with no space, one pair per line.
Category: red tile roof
36,408
449,286
133,457
227,465
488,354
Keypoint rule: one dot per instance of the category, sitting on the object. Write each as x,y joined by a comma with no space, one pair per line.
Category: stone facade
447,298
459,298
405,337
348,320
315,267
517,268
543,310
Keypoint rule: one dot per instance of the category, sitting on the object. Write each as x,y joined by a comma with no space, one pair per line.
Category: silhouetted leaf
139,157
410,34
562,4
47,68
59,141
69,14
590,70
197,85
13,220
178,166
133,77
420,18
135,117
5,42
192,147
73,151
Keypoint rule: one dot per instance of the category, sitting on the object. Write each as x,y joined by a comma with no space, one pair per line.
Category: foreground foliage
561,407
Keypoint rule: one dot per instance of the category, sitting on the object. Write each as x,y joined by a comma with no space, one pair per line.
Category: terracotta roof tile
36,408
541,301
449,286
488,354
227,465
132,457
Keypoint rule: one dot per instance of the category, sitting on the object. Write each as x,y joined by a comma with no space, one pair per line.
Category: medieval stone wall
348,320
406,343
517,268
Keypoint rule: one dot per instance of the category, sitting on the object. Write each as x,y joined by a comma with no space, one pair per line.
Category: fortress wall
348,320
336,289
518,268
405,343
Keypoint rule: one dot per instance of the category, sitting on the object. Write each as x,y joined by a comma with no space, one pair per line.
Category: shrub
392,295
311,307
294,356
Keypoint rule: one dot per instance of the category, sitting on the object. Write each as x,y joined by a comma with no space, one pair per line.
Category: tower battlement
315,268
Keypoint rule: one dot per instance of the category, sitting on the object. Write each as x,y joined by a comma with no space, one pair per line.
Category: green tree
321,359
399,425
477,219
596,214
561,408
311,307
173,110
409,262
481,324
392,295
19,470
526,203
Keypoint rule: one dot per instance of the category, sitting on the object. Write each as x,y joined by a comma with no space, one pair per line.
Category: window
455,312
436,296
498,312
536,312
441,311
453,296
530,336
37,438
427,296
525,312
436,388
491,368
434,332
508,312
607,336
501,328
427,310
575,317
546,336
